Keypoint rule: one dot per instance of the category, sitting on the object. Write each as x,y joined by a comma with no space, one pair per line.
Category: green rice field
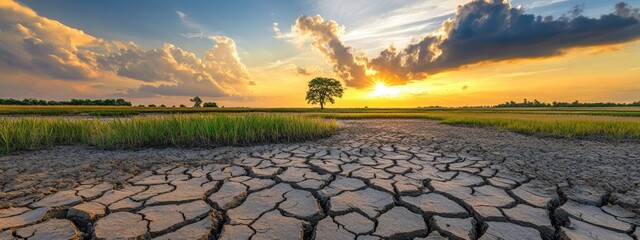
30,133
30,128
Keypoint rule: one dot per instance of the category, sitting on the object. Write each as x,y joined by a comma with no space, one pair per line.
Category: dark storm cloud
493,30
481,31
624,10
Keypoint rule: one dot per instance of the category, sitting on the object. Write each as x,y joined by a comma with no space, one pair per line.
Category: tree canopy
323,90
210,104
197,101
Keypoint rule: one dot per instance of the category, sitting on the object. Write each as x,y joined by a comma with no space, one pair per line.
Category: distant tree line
576,103
74,102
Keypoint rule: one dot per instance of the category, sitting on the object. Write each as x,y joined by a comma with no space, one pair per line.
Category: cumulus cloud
223,63
33,44
288,36
325,37
481,31
494,31
220,73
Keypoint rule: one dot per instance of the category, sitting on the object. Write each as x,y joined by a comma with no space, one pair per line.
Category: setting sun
382,90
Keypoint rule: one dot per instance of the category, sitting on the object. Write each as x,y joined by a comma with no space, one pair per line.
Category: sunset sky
251,53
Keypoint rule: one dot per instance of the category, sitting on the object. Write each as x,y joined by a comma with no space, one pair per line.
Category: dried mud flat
374,179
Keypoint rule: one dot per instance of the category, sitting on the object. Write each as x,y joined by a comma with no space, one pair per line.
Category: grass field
557,125
30,133
25,128
132,111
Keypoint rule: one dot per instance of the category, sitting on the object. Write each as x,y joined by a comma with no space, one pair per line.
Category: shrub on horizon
210,104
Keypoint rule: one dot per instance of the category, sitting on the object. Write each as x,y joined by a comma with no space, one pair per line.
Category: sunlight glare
382,90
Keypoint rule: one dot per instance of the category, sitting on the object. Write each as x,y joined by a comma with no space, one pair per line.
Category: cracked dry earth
374,179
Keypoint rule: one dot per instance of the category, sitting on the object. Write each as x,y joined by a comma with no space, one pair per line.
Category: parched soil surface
374,179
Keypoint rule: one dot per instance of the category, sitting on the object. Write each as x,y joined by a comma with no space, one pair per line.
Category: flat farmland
36,127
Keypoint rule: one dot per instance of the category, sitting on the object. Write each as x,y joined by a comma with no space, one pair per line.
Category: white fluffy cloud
33,44
220,73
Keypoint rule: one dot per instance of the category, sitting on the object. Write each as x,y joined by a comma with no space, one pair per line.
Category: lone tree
196,101
322,90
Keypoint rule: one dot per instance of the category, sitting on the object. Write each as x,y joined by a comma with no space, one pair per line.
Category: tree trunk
321,105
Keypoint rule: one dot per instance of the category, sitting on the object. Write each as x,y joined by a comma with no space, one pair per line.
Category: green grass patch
30,133
556,125
132,111
239,126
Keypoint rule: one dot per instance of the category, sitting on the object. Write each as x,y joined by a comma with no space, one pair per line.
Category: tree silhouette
323,90
196,101
210,104
72,102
